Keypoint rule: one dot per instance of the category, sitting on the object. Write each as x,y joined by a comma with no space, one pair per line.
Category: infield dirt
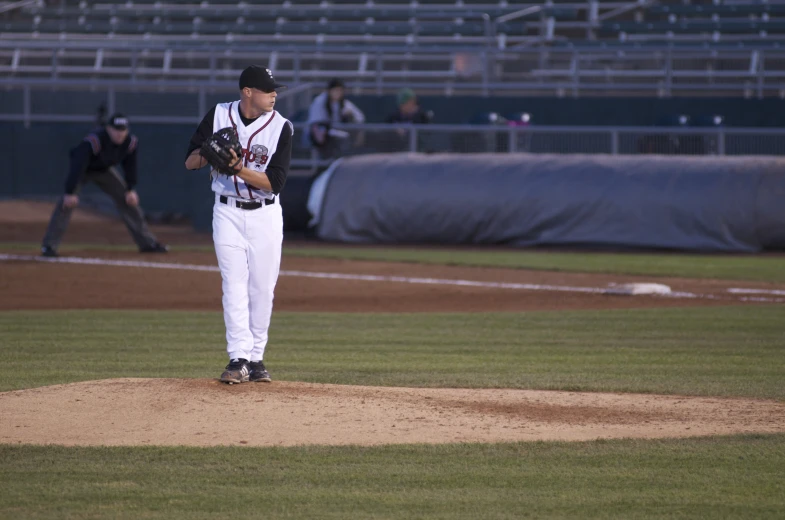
198,412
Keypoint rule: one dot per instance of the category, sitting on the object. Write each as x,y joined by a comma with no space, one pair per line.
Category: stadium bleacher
567,47
408,21
711,21
398,19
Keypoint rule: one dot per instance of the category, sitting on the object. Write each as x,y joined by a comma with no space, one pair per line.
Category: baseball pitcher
248,146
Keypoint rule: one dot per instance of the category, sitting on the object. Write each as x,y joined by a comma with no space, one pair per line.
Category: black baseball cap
118,121
260,78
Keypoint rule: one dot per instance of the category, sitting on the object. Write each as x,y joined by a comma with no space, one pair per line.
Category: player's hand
131,198
70,201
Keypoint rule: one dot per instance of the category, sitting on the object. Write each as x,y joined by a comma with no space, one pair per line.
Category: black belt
242,204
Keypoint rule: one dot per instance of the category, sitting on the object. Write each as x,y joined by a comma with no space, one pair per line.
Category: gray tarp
691,203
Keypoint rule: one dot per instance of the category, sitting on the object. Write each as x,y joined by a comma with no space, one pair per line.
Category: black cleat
155,248
259,373
236,371
48,252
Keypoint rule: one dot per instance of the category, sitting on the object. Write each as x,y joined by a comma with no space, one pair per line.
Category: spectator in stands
409,111
328,109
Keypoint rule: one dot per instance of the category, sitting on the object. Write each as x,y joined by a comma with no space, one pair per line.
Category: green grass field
728,351
727,267
726,477
700,351
711,351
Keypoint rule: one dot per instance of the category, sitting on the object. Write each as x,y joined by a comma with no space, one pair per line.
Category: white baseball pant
248,247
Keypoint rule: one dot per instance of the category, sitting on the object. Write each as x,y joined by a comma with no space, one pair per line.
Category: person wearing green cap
409,111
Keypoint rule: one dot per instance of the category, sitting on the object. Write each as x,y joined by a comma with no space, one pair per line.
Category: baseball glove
216,151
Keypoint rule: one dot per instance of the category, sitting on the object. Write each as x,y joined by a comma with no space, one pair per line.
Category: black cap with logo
260,78
118,121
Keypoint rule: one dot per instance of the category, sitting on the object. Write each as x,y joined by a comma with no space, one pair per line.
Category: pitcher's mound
198,412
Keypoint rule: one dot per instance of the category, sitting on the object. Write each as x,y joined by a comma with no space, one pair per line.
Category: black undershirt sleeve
203,132
80,158
278,167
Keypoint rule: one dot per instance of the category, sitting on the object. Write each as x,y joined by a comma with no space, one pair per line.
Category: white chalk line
115,263
396,279
737,290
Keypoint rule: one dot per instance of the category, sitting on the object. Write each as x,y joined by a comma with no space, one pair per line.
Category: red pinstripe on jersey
247,149
236,188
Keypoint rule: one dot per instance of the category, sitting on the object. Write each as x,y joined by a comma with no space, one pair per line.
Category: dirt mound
199,412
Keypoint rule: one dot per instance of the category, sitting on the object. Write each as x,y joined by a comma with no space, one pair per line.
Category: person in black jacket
95,159
409,111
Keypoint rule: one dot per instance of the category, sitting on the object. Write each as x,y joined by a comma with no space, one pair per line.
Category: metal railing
457,139
7,7
32,101
563,71
491,16
193,102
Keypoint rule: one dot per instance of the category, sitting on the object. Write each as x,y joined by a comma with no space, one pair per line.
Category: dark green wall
768,112
588,111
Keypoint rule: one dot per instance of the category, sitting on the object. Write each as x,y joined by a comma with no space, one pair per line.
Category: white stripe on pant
248,247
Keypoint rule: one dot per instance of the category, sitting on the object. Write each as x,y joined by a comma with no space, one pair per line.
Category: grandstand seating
442,22
749,21
563,46
401,21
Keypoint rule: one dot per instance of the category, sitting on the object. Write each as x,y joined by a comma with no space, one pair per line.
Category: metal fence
751,70
375,138
35,106
38,100
565,139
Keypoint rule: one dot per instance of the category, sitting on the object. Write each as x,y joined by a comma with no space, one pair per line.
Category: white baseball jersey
259,141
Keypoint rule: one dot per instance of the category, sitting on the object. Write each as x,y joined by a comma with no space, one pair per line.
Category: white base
633,289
